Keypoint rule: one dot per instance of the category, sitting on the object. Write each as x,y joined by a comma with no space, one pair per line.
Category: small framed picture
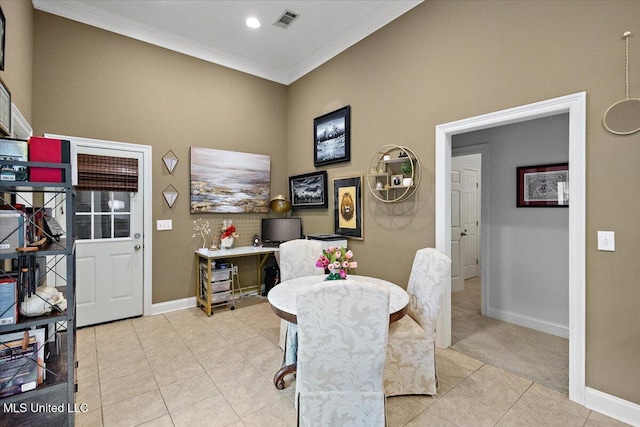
347,206
5,109
308,190
332,137
396,180
543,185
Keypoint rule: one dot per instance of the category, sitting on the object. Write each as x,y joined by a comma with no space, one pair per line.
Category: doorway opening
575,106
516,317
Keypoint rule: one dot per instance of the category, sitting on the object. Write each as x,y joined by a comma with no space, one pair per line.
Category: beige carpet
540,357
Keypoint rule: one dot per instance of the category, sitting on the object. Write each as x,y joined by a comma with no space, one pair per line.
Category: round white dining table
283,296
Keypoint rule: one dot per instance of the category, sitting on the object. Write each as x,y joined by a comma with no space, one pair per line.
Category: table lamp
280,204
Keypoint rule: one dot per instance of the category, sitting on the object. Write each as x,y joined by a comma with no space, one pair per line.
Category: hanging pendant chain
626,63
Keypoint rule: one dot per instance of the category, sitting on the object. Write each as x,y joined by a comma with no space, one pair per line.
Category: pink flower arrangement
336,260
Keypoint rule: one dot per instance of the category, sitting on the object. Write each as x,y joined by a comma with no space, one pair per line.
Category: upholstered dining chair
342,337
411,360
297,258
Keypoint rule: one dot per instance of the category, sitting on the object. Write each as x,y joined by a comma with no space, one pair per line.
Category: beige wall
441,62
95,84
449,60
18,63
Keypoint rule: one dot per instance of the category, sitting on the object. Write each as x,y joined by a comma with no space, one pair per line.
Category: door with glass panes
109,251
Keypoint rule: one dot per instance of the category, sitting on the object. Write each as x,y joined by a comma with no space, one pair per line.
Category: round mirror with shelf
394,173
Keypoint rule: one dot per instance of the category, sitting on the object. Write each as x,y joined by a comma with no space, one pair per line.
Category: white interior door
469,220
457,280
109,250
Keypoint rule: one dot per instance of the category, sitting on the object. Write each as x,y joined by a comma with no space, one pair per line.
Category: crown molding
80,12
86,14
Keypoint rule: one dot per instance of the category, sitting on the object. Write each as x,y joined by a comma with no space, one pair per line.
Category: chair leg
435,364
386,422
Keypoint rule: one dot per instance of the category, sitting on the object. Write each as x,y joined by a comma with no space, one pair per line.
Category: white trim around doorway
575,105
146,191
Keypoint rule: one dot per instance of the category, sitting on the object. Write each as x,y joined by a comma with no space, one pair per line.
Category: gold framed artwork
347,206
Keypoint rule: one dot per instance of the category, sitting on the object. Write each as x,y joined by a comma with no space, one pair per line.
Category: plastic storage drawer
219,275
221,286
220,297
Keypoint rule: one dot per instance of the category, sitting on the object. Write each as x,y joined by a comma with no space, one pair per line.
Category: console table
262,253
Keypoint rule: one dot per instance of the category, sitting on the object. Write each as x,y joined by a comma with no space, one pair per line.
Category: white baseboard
178,304
612,406
530,322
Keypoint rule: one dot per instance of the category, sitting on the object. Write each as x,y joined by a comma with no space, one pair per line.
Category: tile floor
186,369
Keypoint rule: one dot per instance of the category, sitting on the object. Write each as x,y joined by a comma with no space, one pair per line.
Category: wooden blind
105,173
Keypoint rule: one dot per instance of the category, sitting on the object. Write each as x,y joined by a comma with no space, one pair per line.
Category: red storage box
47,150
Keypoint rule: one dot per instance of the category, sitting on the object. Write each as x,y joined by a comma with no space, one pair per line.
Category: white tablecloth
283,295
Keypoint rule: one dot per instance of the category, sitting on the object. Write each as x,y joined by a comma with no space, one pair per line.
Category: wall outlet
606,241
164,224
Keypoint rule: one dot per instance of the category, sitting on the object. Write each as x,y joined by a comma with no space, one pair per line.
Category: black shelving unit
52,402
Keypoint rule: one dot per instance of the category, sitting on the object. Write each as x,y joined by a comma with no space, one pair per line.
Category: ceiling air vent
286,19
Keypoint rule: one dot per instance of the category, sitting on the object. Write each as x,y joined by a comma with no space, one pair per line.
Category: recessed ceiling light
253,22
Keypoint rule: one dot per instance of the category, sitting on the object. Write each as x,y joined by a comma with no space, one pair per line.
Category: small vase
333,276
226,243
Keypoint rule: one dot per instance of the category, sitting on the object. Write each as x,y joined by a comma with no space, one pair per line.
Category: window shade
105,173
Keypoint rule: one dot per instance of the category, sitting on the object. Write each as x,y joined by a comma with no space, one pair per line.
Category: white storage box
220,297
221,286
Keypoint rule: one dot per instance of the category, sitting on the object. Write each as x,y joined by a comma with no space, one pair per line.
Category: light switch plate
606,241
164,224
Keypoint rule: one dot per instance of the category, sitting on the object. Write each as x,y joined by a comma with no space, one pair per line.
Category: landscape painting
229,181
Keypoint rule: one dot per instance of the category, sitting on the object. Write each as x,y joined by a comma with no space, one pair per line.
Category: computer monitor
278,230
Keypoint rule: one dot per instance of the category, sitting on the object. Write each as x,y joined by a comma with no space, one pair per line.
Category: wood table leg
278,379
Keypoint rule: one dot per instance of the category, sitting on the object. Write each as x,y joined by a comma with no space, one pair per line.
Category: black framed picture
543,185
308,190
347,206
332,137
3,31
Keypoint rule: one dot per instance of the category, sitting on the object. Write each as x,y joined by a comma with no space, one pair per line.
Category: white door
457,280
469,222
109,250
464,223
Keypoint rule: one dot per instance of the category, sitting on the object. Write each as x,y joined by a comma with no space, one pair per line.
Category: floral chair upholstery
342,339
411,366
297,259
